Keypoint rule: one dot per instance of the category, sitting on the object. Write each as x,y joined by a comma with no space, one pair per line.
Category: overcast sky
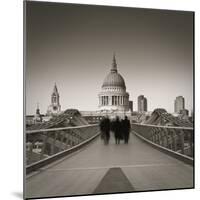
73,46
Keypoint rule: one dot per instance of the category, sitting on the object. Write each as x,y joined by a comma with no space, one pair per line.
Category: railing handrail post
177,139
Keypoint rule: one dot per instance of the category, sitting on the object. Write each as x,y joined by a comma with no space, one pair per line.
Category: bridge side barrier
47,145
176,141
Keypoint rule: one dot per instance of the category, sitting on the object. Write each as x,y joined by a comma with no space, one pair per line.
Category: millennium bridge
65,161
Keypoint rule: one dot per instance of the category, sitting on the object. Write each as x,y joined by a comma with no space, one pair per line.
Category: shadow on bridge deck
105,169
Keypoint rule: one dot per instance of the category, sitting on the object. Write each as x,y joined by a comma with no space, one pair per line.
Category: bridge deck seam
113,166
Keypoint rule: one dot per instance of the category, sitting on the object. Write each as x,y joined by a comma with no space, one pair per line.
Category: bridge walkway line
99,168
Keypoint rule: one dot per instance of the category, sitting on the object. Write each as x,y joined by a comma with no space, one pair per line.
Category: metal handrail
159,126
59,129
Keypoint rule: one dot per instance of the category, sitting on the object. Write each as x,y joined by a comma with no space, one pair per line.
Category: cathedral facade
113,98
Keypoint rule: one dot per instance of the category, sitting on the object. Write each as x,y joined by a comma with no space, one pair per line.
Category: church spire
114,64
55,90
38,109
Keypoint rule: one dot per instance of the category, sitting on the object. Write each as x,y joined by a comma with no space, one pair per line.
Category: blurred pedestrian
126,129
117,130
105,130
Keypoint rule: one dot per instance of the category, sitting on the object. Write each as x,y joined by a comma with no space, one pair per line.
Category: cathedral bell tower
55,107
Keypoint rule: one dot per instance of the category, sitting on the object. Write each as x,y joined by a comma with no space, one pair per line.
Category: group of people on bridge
120,128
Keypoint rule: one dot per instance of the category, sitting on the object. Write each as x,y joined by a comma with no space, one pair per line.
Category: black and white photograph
109,99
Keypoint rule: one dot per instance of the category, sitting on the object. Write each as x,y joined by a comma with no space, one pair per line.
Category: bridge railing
177,139
45,144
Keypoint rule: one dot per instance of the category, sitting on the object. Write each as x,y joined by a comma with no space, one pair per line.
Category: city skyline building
179,104
131,105
142,103
184,112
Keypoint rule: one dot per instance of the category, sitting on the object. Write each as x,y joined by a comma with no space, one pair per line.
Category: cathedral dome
114,79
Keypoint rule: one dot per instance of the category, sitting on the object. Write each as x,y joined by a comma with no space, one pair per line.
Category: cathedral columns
105,100
110,100
115,100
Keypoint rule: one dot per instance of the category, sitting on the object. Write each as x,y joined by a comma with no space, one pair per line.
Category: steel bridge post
181,138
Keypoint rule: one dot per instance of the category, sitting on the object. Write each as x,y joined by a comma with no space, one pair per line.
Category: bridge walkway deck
98,168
